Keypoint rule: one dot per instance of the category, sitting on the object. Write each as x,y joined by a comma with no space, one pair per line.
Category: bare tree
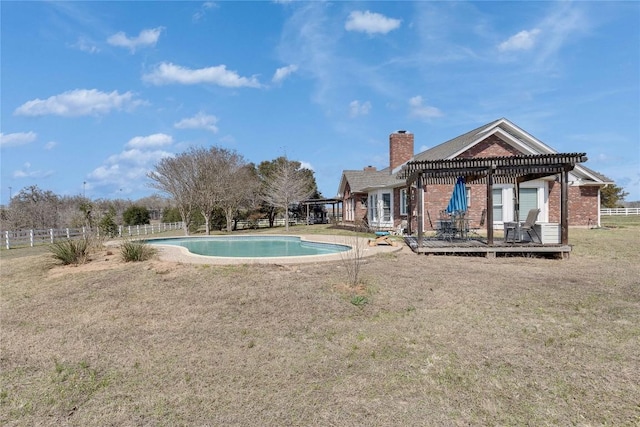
207,191
175,176
219,184
34,208
241,186
289,184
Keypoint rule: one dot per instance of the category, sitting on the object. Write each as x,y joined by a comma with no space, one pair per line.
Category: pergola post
409,210
564,207
490,205
420,210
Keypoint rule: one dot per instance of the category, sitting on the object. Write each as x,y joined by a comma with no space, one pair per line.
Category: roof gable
502,128
511,134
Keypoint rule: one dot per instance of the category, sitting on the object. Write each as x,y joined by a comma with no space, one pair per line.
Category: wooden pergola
490,170
322,202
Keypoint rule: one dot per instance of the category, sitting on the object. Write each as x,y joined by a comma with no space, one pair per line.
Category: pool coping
180,254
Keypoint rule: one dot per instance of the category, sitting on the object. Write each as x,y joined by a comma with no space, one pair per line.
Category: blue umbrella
458,202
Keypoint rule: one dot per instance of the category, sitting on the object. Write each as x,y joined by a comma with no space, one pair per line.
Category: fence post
138,229
6,238
119,231
51,234
31,238
68,234
83,232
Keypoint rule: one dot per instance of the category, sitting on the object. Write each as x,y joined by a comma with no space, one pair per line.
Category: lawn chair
474,230
441,231
529,223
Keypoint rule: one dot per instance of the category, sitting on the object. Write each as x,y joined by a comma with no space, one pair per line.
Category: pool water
252,246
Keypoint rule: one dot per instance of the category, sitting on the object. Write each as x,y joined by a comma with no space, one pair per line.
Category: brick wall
583,205
490,147
400,148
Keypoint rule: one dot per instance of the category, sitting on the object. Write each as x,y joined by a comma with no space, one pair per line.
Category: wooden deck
479,247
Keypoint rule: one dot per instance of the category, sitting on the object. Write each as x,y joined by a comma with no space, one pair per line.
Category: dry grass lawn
424,340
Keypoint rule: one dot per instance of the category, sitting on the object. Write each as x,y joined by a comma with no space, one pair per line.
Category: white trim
372,208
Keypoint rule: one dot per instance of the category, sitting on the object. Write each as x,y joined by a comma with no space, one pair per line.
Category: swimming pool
252,246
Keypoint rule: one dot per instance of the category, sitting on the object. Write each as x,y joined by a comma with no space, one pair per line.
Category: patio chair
442,228
474,230
528,225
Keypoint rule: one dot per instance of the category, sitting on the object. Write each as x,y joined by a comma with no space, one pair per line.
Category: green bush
71,251
136,251
108,226
136,215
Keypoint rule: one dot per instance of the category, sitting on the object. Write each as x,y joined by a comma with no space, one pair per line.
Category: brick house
380,198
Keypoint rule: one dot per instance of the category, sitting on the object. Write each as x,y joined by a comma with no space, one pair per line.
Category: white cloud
18,138
26,172
50,145
370,22
127,169
306,165
284,72
356,108
85,45
204,8
167,73
199,121
524,40
155,140
145,38
423,112
79,102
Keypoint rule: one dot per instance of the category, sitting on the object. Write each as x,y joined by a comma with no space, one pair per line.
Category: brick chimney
400,148
369,168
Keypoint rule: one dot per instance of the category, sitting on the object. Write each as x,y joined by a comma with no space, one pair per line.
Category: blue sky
93,94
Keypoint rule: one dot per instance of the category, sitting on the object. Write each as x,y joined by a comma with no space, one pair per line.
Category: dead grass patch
441,341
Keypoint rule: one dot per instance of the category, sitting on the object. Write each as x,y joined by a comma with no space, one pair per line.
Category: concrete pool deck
358,244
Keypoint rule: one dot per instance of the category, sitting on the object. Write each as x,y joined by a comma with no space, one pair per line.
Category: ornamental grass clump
71,251
136,251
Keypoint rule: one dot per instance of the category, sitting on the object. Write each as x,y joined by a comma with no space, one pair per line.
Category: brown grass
440,341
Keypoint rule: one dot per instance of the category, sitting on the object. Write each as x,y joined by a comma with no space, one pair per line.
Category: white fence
619,211
39,237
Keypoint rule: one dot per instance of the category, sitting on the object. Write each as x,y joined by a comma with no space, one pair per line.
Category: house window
404,203
379,208
373,206
467,194
498,206
528,201
386,203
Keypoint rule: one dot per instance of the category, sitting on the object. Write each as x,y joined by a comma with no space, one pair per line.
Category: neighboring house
380,198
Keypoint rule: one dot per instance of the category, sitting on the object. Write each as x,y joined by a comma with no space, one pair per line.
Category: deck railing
619,211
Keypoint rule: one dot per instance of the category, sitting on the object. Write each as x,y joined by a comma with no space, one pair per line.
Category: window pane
386,200
497,204
528,201
403,202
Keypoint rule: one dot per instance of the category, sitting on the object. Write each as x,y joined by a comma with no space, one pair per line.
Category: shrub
136,215
71,251
108,226
136,251
352,260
